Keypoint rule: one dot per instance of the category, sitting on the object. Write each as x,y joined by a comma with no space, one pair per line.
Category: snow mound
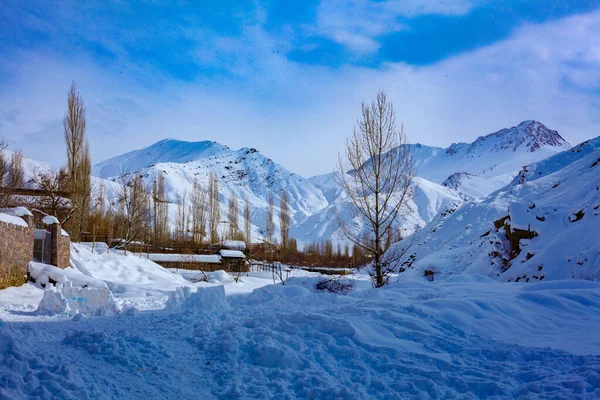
44,274
69,292
203,299
69,300
127,276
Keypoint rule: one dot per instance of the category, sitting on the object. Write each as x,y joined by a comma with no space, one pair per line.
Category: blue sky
288,77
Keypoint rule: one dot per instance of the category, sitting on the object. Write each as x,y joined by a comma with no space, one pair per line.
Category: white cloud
356,24
300,115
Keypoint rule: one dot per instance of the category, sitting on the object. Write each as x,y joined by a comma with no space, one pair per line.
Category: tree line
376,171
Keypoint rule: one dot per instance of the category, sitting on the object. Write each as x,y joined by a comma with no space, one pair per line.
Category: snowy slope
167,150
30,166
557,198
245,172
490,162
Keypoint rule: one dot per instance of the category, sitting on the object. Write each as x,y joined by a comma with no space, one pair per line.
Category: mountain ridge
480,167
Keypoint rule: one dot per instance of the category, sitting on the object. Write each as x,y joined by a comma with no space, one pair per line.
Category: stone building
22,242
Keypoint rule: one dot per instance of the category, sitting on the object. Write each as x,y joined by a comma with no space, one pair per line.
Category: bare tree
215,214
270,211
82,197
181,222
54,201
5,196
74,124
247,224
78,158
232,216
3,161
160,209
198,215
16,175
284,219
135,208
376,173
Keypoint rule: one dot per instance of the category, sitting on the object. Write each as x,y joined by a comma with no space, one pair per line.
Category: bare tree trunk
198,214
247,224
284,220
16,175
270,212
134,199
181,223
233,216
215,214
376,173
5,197
78,158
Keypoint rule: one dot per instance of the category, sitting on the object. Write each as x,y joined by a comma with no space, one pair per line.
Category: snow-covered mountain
167,150
245,172
545,224
444,177
490,162
252,176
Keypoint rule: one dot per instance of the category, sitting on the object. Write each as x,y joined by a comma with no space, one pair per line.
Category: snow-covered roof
64,233
199,258
234,245
11,219
232,254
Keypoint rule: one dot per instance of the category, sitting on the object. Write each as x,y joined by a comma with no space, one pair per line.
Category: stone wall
16,248
64,252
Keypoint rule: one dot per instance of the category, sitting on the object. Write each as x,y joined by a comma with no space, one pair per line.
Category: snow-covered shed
234,245
205,262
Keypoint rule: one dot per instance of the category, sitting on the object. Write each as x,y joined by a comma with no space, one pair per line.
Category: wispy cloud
357,24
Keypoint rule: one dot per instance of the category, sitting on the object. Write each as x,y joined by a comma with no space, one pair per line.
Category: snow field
468,337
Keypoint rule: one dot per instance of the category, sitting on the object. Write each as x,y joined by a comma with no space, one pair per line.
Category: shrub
336,285
12,277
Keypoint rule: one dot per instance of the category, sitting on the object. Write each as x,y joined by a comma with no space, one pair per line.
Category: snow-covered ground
465,337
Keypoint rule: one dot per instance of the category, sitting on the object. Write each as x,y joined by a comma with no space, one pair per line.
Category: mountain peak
166,150
529,135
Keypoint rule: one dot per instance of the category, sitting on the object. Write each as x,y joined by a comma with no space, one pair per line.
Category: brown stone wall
64,251
16,248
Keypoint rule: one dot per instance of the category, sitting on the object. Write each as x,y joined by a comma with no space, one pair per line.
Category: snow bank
204,299
127,276
69,292
69,300
44,274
